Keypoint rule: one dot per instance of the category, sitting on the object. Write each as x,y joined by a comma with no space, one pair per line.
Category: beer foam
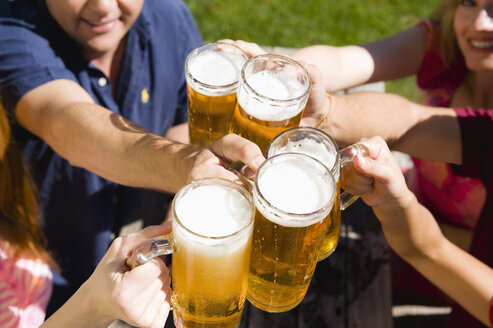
312,148
294,187
213,210
276,85
216,68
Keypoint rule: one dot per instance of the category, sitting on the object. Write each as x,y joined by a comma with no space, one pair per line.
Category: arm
140,296
426,132
343,67
414,234
92,137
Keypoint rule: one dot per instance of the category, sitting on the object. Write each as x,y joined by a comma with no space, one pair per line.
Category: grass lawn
298,23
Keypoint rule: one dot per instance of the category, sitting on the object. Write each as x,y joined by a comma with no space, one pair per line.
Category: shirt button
102,82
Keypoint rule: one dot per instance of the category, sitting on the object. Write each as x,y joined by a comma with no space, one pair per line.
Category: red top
453,198
491,313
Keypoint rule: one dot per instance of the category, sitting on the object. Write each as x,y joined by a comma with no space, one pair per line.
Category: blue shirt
81,211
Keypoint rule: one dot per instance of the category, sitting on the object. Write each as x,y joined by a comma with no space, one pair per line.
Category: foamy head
214,68
297,185
213,210
277,85
325,153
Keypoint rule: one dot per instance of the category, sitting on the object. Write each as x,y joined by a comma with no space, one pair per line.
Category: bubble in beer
213,210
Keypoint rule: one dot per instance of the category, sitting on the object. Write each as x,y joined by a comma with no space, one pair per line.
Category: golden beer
293,195
272,93
211,246
212,73
321,146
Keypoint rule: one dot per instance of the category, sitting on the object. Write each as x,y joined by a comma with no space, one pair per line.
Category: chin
480,66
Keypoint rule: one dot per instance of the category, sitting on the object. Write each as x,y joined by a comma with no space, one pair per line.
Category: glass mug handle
347,156
149,249
238,168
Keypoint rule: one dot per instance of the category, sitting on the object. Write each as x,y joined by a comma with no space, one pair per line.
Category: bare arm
343,67
90,136
463,277
414,234
140,296
426,132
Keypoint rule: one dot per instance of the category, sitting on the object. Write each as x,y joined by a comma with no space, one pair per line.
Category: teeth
482,44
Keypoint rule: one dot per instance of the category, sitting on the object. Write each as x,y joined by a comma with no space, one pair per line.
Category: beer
293,194
320,146
272,94
212,73
210,273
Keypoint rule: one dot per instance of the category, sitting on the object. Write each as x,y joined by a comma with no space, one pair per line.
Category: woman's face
98,26
473,26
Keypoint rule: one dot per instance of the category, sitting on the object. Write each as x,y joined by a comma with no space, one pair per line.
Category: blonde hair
20,226
445,13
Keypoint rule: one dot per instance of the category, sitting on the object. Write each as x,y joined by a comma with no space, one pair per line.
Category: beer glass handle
347,157
149,249
238,168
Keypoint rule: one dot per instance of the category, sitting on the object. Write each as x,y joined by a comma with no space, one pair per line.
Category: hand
140,296
318,104
250,48
377,179
214,161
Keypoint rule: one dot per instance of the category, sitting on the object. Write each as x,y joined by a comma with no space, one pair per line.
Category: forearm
77,313
96,139
406,126
342,67
460,275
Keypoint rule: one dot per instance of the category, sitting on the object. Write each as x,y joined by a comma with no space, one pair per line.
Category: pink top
25,288
452,198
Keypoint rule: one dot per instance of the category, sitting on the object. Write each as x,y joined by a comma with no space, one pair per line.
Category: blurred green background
298,23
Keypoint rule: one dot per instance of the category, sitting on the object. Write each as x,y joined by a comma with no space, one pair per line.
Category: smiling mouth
482,44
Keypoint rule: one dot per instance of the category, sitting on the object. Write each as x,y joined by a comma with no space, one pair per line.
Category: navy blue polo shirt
80,210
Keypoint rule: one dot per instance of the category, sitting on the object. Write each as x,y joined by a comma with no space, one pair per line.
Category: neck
479,89
108,62
481,92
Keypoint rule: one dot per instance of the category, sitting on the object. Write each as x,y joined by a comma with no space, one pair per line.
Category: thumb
371,167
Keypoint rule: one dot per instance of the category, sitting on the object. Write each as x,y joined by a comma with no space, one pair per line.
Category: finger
162,313
251,49
235,148
149,233
373,168
150,316
143,275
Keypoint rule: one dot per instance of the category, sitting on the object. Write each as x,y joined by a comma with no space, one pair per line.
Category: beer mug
211,244
293,194
320,145
212,72
272,93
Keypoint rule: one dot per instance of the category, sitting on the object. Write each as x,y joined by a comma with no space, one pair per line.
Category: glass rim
223,182
314,130
205,85
286,59
298,217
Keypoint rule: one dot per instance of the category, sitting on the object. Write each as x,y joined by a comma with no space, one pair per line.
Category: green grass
298,23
